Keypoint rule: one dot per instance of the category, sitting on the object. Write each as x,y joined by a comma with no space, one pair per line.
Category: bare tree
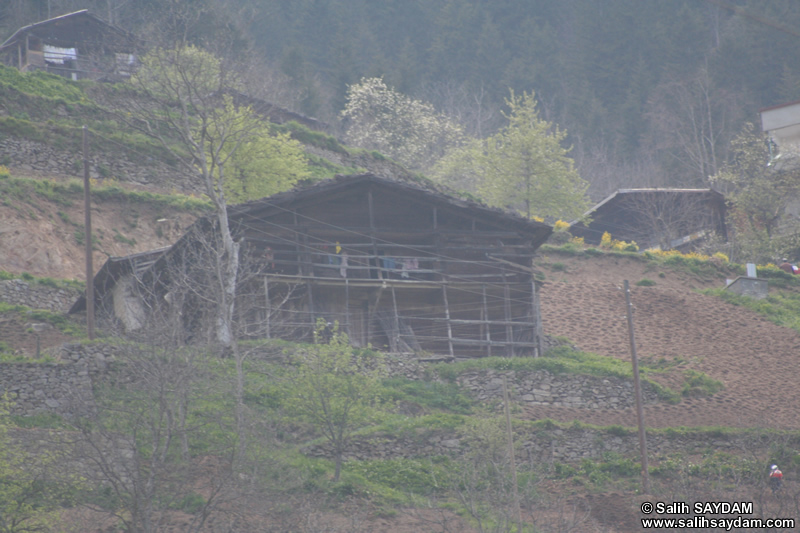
694,121
663,217
470,108
131,443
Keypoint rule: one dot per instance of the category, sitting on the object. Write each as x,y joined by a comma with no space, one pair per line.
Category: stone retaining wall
562,390
63,388
568,445
26,155
36,296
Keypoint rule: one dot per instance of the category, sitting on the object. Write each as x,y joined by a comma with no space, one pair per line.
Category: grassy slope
36,106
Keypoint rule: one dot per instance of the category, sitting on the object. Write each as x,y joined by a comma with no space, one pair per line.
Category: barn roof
613,212
421,190
71,29
615,200
116,267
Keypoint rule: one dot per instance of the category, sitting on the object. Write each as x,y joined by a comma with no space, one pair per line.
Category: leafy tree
185,98
264,165
523,166
335,388
759,190
29,497
408,130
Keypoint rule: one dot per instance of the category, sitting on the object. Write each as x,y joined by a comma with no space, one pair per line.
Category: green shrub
700,385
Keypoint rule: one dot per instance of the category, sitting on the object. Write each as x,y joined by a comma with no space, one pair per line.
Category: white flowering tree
409,131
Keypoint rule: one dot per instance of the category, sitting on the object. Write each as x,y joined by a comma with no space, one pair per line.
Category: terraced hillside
678,330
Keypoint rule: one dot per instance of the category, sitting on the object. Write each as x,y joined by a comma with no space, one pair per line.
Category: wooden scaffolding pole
268,306
347,305
447,316
311,311
538,339
396,323
509,329
487,326
378,265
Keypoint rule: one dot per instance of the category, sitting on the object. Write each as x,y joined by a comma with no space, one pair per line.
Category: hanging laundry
56,55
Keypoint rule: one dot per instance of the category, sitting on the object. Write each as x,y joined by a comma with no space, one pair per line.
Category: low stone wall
63,388
562,390
26,155
568,445
35,296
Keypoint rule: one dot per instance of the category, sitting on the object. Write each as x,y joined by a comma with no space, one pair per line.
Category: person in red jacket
775,478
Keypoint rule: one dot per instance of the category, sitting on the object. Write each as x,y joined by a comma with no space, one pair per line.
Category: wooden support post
370,311
487,325
396,323
347,305
509,330
537,320
300,269
311,311
447,316
307,258
268,306
378,265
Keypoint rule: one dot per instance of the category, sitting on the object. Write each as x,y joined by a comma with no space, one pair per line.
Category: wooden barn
77,45
656,218
399,265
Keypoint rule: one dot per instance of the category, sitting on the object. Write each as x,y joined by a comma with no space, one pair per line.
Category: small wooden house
656,218
398,265
76,45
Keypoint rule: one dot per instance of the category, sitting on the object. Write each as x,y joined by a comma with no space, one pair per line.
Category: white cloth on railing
409,263
343,265
54,54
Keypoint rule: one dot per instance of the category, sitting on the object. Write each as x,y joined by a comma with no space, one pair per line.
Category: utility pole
87,206
637,390
510,436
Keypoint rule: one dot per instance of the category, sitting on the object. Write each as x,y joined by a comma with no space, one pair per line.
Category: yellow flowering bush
560,225
4,172
621,246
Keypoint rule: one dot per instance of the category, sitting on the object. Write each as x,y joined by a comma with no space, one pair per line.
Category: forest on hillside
649,93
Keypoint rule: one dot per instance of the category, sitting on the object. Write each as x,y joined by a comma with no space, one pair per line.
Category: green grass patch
423,476
67,192
430,394
644,282
699,385
560,360
68,284
314,138
40,420
43,85
60,322
780,307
